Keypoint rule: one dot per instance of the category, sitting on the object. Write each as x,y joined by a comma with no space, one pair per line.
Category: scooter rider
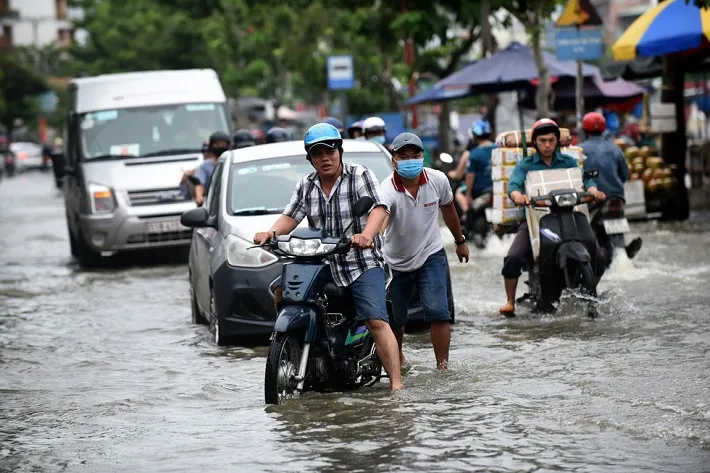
375,129
218,144
609,160
336,123
277,135
413,248
545,140
326,197
242,138
355,130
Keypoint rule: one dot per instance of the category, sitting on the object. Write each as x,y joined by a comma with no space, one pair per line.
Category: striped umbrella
671,26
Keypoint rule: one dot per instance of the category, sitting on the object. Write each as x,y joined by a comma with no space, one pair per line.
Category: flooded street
101,371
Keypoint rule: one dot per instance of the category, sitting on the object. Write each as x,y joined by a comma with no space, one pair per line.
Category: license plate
616,226
165,226
489,215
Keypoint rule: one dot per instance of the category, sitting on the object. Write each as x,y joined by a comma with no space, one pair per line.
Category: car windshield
266,186
149,131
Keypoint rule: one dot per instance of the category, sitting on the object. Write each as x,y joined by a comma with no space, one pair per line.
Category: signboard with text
340,72
579,44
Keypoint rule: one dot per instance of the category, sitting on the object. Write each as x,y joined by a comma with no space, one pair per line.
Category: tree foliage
19,84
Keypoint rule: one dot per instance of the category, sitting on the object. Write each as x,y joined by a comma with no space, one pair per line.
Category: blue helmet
322,134
480,128
335,122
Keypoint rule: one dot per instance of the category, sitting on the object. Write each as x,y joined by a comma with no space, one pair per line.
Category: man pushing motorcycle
545,140
326,198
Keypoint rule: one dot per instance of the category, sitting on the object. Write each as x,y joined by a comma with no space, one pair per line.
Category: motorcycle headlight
239,254
310,247
567,200
102,200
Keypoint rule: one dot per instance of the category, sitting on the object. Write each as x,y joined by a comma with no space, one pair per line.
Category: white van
130,138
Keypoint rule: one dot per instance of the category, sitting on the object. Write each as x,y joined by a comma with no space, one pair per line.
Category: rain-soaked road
101,371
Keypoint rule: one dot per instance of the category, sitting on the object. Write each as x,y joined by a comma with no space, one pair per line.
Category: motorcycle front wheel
281,368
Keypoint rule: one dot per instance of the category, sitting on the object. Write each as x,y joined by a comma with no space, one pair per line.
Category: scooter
610,225
317,345
567,252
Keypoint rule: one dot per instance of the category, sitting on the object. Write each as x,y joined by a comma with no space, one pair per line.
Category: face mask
217,152
410,168
378,139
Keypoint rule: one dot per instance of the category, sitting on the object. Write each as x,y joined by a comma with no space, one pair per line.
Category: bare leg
510,287
386,350
441,339
399,335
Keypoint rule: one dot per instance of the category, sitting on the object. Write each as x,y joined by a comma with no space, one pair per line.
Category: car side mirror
363,205
591,173
196,218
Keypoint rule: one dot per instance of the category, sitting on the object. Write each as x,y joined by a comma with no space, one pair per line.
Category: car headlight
567,200
309,247
102,200
239,254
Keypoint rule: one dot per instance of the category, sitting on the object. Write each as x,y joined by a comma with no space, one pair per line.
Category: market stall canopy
597,93
511,69
648,68
670,27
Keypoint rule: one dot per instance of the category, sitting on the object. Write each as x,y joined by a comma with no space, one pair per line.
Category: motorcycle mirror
446,158
591,173
363,205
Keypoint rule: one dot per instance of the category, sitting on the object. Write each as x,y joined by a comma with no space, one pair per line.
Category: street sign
579,44
48,102
340,72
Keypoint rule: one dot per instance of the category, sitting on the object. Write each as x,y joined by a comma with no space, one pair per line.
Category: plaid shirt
333,213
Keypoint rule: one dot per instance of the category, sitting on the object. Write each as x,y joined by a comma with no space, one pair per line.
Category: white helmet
373,125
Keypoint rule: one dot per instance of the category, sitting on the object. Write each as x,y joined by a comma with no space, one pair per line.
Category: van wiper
168,152
260,211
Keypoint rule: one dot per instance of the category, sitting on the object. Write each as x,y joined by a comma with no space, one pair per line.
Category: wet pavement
102,371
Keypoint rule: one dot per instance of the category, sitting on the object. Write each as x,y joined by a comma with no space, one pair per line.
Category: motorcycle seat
330,289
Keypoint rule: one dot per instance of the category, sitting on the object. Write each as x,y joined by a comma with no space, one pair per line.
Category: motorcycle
317,345
567,251
476,221
10,163
610,225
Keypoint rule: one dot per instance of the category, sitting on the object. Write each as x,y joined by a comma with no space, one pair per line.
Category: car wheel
87,257
216,329
196,316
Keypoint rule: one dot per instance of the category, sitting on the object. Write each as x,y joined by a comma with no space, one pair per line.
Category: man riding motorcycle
609,160
355,130
326,197
545,140
374,129
242,138
277,135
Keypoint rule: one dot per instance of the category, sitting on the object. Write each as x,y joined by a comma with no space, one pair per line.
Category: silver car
28,155
232,286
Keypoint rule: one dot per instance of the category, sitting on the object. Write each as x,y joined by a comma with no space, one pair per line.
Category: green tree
19,85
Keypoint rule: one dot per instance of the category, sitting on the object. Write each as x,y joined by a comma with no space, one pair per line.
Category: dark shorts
368,292
430,281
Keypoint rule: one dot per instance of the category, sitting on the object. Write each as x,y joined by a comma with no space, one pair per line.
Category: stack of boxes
503,161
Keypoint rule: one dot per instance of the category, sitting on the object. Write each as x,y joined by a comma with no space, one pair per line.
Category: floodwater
101,371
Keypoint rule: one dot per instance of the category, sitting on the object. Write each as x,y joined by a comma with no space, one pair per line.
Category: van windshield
266,186
149,131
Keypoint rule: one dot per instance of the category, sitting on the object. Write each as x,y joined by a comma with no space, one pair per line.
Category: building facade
34,23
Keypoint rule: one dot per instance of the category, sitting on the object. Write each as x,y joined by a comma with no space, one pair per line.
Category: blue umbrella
439,94
511,69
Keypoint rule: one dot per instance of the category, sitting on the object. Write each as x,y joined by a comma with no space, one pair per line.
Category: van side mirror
196,218
591,173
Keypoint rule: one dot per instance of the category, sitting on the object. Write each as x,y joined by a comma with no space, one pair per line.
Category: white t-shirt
413,234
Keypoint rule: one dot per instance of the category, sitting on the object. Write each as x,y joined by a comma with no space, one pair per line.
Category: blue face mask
410,168
378,139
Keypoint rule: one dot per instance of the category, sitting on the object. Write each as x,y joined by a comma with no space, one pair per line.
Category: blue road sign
340,73
579,44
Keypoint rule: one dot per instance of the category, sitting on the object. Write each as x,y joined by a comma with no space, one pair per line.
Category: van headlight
239,254
309,247
102,199
566,200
